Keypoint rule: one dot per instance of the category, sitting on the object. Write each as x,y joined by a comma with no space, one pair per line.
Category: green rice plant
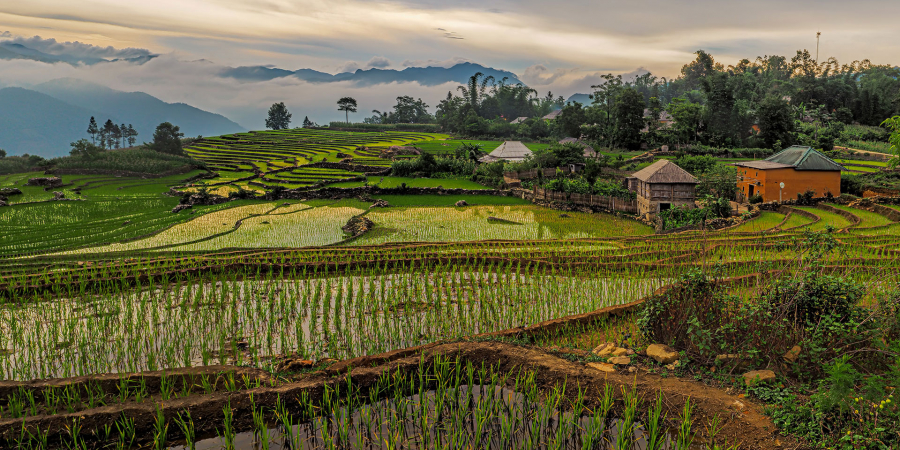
185,423
685,438
160,429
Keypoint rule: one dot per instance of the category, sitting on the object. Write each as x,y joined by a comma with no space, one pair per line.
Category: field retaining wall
122,173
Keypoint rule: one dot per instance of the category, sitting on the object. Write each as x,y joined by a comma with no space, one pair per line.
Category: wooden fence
610,203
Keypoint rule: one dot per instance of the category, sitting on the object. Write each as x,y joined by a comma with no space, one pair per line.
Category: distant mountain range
12,50
426,76
44,120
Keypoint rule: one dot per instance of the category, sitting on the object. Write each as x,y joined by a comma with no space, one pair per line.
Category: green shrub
131,160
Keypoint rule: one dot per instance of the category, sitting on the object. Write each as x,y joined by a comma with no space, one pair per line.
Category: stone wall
121,173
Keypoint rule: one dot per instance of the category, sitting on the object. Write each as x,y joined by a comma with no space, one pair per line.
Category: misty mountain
45,120
38,124
584,99
426,76
24,52
14,50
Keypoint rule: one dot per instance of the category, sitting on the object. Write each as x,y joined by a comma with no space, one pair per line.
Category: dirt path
867,152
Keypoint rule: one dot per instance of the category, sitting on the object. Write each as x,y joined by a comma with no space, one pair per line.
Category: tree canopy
167,139
348,105
279,118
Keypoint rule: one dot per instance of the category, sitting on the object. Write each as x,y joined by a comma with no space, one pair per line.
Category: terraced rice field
828,219
395,182
445,224
217,310
867,218
766,221
265,151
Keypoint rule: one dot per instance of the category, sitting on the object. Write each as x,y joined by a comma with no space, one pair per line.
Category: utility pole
818,33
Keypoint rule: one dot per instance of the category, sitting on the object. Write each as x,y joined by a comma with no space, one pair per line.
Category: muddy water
459,420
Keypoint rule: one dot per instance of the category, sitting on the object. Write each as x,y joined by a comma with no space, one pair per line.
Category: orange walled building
798,169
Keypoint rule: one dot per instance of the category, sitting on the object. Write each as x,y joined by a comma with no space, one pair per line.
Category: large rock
792,354
58,195
3,203
462,203
759,377
620,360
604,349
663,354
380,204
602,367
45,181
7,191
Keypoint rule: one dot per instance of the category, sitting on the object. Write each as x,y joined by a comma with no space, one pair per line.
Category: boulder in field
45,181
7,191
462,203
792,354
602,367
663,354
604,349
758,377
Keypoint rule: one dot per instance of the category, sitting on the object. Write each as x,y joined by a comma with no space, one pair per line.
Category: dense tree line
770,102
111,136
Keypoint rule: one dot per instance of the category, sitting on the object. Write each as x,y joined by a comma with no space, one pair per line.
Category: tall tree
167,139
116,137
84,149
123,134
629,112
776,123
132,135
306,122
108,134
604,98
348,105
474,92
570,120
279,117
93,130
408,110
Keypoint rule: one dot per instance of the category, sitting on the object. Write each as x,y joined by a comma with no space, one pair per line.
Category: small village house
589,151
795,170
553,115
661,186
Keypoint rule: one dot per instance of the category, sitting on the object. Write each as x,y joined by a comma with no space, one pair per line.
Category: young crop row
446,404
227,319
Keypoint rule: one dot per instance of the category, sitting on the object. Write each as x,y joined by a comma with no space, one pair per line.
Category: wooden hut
661,186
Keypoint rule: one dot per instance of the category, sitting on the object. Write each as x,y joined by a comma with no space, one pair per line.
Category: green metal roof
805,158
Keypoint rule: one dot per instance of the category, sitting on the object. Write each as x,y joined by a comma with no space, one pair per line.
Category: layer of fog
197,83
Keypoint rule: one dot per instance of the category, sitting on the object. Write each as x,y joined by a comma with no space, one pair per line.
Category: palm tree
475,93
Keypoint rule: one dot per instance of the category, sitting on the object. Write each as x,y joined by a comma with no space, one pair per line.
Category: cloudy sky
559,45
